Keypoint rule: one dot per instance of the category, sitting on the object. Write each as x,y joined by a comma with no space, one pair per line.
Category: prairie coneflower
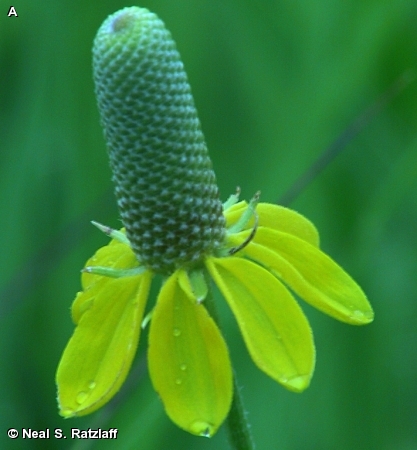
175,225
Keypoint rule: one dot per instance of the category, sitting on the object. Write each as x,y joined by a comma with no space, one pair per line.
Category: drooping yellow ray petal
277,218
275,330
189,361
99,354
312,274
115,255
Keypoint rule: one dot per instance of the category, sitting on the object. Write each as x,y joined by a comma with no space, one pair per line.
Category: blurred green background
275,83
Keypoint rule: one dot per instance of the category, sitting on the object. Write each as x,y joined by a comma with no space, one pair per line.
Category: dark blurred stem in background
341,142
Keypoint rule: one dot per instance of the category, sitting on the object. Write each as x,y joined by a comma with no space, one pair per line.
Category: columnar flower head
174,224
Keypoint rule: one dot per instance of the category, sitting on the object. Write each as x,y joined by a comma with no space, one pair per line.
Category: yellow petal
277,218
276,332
189,361
114,255
99,354
312,274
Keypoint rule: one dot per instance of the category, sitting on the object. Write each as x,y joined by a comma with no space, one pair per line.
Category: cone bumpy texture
165,186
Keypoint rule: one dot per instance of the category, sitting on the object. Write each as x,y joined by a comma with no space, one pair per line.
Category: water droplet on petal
206,433
362,316
201,428
183,367
92,385
67,412
178,381
297,383
81,397
369,315
177,332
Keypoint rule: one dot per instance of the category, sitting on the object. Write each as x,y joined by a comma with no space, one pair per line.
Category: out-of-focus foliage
275,83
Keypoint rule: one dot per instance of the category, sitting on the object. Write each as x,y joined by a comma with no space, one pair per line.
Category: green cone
165,186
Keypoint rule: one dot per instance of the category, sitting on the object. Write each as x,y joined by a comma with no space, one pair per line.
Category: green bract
256,254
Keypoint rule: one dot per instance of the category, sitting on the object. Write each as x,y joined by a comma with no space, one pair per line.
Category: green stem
238,427
237,424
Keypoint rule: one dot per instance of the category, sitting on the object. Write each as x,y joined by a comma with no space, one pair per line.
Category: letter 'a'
12,12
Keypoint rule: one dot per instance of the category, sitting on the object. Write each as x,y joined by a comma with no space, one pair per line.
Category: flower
188,359
175,225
